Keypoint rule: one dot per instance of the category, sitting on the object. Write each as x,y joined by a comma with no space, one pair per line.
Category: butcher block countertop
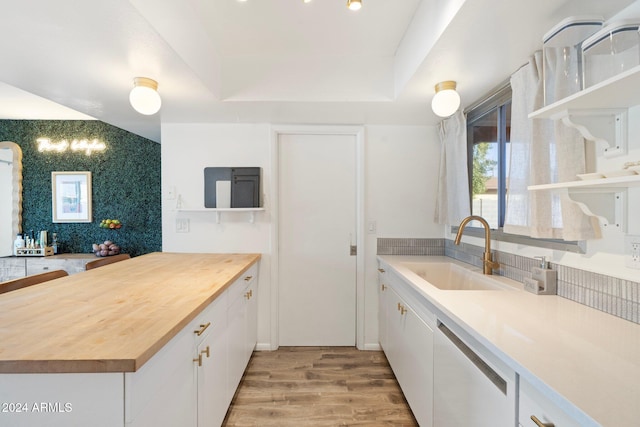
113,318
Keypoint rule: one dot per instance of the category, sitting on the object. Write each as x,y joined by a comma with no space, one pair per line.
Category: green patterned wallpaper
125,180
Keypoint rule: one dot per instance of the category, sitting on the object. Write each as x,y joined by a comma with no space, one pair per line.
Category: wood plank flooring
319,386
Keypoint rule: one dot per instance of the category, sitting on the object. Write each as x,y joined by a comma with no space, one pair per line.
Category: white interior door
317,224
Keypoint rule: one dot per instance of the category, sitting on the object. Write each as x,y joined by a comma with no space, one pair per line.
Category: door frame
358,133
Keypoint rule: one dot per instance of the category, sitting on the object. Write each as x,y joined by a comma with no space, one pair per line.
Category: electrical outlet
182,225
633,250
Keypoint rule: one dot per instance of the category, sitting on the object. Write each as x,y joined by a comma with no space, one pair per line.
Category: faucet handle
543,261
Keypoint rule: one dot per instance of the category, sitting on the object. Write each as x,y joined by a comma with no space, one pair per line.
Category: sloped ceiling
278,61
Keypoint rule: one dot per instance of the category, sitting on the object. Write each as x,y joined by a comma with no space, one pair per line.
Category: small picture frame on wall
71,196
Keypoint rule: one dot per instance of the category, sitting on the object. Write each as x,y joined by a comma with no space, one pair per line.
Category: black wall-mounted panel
245,186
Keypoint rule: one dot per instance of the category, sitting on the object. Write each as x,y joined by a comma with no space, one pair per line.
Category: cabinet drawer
44,264
534,403
238,287
212,317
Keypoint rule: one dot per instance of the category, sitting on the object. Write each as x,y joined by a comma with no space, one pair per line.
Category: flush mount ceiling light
354,4
144,96
446,101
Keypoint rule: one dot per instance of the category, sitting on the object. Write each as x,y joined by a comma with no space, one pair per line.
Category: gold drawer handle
540,423
246,279
384,287
199,360
205,351
249,294
403,310
399,305
381,270
202,329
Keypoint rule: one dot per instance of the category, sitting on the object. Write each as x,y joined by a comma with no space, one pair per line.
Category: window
488,142
488,136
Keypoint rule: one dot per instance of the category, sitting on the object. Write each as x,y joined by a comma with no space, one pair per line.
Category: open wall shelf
218,212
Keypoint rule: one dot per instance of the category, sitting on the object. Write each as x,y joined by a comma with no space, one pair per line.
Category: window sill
501,236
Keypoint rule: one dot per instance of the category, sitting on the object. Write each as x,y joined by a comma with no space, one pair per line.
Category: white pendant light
446,101
144,96
354,4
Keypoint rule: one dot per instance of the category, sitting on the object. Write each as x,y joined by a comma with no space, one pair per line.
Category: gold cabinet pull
205,351
403,310
249,294
383,287
540,423
399,305
199,360
246,279
202,328
381,270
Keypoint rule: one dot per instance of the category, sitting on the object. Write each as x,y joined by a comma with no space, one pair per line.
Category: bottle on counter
18,243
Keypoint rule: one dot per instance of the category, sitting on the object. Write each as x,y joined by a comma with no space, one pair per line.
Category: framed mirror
10,195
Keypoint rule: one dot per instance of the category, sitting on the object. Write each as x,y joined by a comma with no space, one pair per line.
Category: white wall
402,165
401,169
186,150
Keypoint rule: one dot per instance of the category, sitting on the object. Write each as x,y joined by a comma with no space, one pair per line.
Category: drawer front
238,288
211,318
12,268
43,265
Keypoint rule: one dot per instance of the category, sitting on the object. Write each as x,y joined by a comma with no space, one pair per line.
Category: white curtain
542,152
452,203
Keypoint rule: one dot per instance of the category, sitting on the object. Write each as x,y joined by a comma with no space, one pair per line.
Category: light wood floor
319,386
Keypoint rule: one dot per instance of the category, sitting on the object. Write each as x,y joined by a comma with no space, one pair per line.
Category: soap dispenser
544,281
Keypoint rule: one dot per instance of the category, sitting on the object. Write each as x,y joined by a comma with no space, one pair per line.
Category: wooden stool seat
34,279
106,260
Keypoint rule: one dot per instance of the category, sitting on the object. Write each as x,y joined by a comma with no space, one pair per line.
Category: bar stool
34,279
106,260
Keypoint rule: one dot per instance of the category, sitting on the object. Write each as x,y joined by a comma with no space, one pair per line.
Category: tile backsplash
612,295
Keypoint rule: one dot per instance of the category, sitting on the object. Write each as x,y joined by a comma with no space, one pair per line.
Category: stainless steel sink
452,277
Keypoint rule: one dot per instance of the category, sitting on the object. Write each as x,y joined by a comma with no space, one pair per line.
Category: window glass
488,139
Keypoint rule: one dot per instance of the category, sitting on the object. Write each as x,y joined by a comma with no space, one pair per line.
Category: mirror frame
16,182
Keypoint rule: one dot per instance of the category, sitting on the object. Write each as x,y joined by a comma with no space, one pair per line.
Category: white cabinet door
251,333
408,345
417,357
383,296
534,403
468,391
237,318
212,378
163,391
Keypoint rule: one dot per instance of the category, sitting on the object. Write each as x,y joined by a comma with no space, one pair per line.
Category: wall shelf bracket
606,126
607,205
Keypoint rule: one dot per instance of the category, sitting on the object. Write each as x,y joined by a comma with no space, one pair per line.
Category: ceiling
275,61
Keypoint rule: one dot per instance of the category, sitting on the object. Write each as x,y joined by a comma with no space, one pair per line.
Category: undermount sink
452,277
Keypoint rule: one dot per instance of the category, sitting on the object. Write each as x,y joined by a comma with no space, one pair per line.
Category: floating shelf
596,184
219,211
621,91
603,198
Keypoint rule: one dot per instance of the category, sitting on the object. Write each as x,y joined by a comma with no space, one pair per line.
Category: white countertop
568,350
